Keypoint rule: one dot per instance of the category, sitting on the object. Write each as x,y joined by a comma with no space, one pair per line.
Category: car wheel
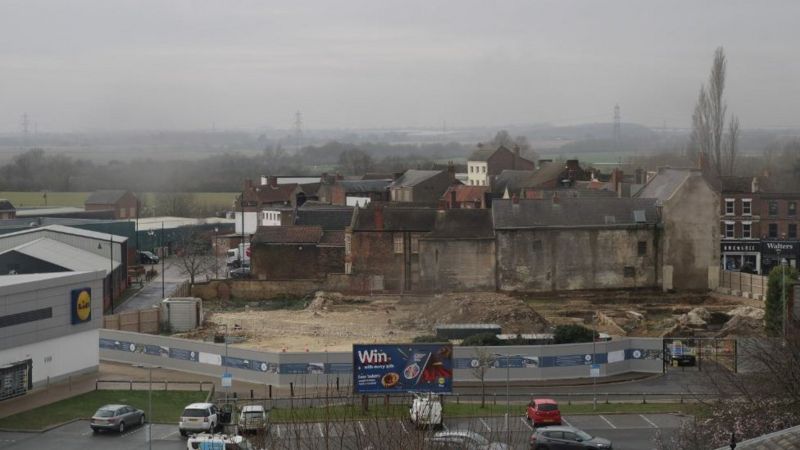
95,430
141,421
183,433
121,427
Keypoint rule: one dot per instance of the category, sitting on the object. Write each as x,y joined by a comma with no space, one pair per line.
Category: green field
167,407
210,200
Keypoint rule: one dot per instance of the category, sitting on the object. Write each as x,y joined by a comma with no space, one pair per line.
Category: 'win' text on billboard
385,368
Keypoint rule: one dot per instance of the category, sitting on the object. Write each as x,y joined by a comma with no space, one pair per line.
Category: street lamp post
224,367
163,257
784,263
594,352
216,253
149,368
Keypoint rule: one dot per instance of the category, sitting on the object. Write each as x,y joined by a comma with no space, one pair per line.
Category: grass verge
349,412
167,407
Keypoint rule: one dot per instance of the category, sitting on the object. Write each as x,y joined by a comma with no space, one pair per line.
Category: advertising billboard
387,368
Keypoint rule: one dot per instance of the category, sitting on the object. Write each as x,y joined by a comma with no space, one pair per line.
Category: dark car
558,438
241,272
116,418
146,257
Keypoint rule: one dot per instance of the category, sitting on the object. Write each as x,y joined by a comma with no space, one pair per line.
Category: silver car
116,418
462,440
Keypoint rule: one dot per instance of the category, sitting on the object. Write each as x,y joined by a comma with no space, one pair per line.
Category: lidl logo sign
81,305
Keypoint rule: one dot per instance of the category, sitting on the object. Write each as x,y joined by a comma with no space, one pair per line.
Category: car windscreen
105,413
191,412
253,414
548,407
583,435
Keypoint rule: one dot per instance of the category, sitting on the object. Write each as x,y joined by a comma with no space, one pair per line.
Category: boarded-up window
642,248
629,271
398,243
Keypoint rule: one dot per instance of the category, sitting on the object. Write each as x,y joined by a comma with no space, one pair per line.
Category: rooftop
6,205
364,186
27,212
154,223
414,177
574,212
463,224
69,230
327,219
297,234
105,197
64,255
665,183
786,439
395,218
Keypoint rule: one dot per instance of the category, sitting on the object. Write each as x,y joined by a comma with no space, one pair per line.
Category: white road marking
526,422
321,433
565,421
608,422
167,435
403,425
86,433
278,430
488,428
361,425
648,420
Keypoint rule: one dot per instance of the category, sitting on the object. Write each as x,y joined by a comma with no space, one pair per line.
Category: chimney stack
378,217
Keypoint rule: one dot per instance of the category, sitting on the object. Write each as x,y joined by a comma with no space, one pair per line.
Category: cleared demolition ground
333,321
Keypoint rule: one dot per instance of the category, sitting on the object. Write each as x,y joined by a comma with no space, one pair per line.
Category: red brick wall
295,261
372,253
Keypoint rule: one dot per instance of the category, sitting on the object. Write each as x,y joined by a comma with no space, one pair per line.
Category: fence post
270,392
644,400
291,389
130,385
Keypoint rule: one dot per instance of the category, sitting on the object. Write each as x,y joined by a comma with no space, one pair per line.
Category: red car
543,411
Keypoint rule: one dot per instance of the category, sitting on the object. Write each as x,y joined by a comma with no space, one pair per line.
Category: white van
426,410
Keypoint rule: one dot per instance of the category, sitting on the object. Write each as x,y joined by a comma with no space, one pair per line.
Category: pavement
150,294
626,431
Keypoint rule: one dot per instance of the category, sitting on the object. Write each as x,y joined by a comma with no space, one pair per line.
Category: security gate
15,379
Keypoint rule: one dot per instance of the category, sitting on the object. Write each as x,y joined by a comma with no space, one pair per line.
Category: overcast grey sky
181,64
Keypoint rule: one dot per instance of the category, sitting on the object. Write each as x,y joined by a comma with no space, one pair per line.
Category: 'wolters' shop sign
384,368
780,247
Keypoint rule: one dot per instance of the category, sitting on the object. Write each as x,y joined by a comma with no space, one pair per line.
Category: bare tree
708,120
179,204
194,256
482,362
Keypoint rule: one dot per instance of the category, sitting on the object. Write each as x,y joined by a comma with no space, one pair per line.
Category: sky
239,64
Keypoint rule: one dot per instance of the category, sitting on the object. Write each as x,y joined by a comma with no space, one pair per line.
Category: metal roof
105,197
12,280
413,177
26,212
64,255
70,230
665,183
154,223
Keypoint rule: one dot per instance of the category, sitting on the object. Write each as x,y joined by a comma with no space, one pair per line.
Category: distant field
213,200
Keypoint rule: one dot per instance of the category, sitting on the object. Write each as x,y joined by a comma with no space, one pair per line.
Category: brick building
383,244
422,185
549,175
296,252
124,204
336,191
487,162
461,196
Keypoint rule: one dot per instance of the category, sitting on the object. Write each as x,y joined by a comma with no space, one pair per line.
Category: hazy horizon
189,65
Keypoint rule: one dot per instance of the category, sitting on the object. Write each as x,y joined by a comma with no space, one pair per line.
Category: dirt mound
743,326
512,314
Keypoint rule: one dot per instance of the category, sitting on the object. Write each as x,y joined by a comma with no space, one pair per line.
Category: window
537,245
747,230
414,244
792,208
729,229
773,230
398,243
629,271
747,207
773,208
484,169
792,231
642,248
471,169
730,206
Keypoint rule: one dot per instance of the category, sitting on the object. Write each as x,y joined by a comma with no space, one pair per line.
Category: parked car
241,272
146,257
253,418
426,410
555,438
543,411
198,417
217,441
116,418
462,440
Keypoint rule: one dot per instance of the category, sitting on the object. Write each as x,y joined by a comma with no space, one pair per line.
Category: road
626,431
150,294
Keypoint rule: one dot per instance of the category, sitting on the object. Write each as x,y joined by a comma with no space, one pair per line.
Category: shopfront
773,252
744,256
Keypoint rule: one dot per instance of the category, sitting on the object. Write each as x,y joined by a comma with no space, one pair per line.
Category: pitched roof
465,193
364,186
64,255
483,153
297,234
68,230
780,183
546,173
414,177
332,238
574,212
275,194
463,224
786,439
513,180
6,205
105,197
327,219
665,183
736,184
395,218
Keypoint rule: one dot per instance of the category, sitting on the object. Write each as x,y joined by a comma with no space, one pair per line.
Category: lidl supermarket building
48,328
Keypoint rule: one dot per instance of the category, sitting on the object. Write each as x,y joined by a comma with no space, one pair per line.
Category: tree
503,137
778,287
194,256
177,204
479,365
572,333
355,162
481,340
708,121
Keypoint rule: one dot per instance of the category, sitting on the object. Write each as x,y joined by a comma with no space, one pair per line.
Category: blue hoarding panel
384,368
